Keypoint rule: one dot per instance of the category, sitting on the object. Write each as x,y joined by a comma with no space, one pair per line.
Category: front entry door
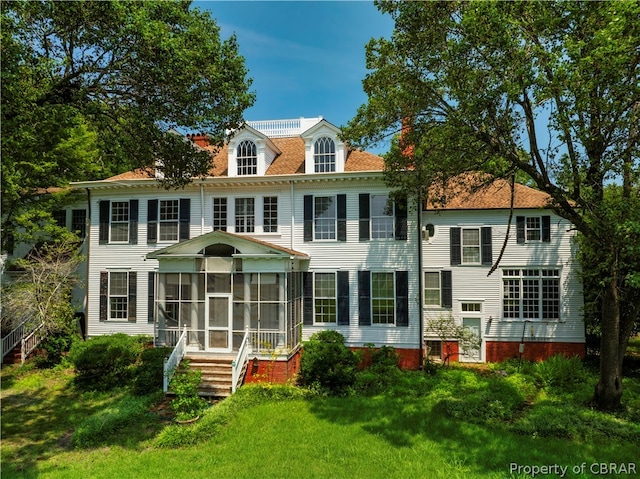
219,323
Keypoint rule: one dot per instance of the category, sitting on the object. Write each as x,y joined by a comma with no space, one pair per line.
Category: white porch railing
30,342
267,340
14,338
172,362
239,363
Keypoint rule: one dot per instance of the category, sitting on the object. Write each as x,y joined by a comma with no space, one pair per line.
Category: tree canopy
91,89
549,90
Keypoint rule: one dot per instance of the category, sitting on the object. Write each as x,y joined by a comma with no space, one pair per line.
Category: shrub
327,364
560,372
105,362
185,385
148,375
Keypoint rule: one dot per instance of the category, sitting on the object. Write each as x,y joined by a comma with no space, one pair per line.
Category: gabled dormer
250,153
324,151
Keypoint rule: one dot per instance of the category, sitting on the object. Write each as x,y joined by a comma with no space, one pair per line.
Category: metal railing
30,342
172,362
239,363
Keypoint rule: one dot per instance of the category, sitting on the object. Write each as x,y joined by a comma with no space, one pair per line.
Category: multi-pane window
324,217
220,214
79,222
169,210
119,221
60,218
382,298
471,307
531,294
470,246
325,298
245,215
270,214
247,158
432,288
434,349
324,157
382,221
118,295
533,228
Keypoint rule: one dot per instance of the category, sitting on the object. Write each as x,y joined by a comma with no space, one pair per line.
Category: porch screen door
219,323
473,353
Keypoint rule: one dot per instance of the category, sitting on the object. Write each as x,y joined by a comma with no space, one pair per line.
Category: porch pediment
243,246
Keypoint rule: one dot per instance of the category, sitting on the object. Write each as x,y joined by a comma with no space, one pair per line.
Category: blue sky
306,58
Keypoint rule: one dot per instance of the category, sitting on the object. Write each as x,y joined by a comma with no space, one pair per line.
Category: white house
293,232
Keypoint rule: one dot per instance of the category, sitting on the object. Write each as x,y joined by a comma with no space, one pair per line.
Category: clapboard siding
471,283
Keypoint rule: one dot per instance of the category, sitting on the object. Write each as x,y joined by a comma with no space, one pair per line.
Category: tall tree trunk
608,391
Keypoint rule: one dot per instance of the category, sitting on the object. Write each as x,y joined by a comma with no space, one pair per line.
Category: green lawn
397,435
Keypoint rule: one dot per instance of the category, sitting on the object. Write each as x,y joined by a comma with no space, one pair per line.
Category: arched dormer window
324,155
247,158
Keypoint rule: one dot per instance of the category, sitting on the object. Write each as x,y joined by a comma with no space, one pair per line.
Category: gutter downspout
420,281
86,287
292,216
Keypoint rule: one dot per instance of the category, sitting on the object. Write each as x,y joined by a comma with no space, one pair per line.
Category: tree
91,89
550,90
445,328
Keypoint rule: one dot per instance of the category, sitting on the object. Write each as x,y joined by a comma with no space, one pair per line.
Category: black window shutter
185,218
133,221
151,297
456,253
104,294
152,221
486,246
307,294
343,298
133,286
400,213
308,218
446,289
364,298
546,229
342,217
104,210
365,215
520,228
402,298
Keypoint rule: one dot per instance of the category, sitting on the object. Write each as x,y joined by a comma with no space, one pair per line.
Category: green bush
148,375
185,384
105,362
561,372
327,364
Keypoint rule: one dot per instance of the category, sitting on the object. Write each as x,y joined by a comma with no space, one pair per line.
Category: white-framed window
434,349
118,295
382,219
119,224
324,217
531,294
469,307
325,303
324,155
168,220
245,215
270,214
432,288
247,158
470,245
383,304
220,214
533,228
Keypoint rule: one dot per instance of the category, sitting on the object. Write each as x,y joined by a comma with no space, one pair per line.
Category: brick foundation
279,372
497,351
409,358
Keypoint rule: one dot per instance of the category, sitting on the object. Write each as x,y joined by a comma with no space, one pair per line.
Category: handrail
241,359
172,362
12,339
30,342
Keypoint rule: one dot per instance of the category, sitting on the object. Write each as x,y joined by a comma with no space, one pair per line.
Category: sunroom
220,287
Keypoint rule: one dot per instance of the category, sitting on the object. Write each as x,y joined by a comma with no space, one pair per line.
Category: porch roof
245,245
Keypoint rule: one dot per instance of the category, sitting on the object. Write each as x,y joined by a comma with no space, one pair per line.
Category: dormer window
247,158
324,155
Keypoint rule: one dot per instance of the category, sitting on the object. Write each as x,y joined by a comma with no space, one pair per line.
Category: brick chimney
199,139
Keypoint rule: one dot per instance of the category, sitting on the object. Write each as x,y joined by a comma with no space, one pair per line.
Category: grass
460,423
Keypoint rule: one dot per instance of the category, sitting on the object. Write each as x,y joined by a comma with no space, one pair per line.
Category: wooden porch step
217,375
